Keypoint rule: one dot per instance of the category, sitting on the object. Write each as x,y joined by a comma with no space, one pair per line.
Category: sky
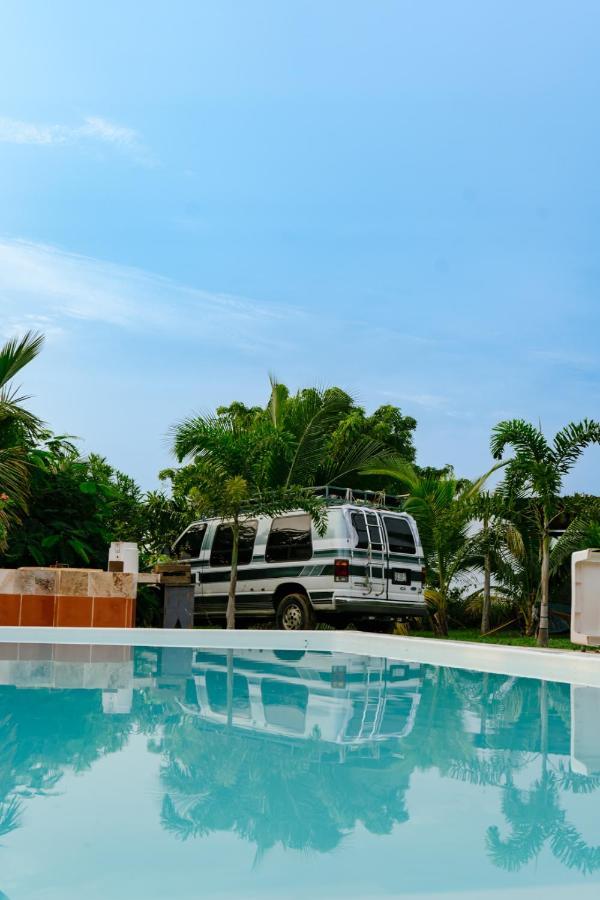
401,198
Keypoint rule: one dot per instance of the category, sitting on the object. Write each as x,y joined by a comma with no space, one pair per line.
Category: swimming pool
292,768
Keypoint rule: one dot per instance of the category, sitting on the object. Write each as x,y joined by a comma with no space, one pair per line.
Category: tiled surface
35,652
110,612
72,653
10,609
67,653
37,609
65,611
123,584
100,584
73,582
73,612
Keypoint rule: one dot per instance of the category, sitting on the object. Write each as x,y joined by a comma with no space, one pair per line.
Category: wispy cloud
566,358
43,286
93,128
418,398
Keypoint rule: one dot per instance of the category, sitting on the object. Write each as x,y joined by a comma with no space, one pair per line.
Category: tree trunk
545,589
487,595
235,533
487,583
442,610
442,620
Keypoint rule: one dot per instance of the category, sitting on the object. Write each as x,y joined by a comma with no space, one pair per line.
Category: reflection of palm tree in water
293,795
44,732
505,708
536,817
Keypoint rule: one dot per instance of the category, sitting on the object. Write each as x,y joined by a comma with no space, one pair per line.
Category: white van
366,569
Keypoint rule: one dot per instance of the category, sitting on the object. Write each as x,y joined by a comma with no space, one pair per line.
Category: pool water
141,772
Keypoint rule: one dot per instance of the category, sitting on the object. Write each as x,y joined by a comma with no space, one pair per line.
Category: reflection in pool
372,768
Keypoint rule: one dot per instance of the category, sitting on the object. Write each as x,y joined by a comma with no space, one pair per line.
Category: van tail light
423,575
341,570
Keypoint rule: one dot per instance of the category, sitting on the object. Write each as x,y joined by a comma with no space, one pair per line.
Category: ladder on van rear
374,580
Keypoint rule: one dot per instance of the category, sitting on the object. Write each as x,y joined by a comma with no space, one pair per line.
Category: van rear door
368,553
404,567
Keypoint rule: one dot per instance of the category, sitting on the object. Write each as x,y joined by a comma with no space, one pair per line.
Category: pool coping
548,665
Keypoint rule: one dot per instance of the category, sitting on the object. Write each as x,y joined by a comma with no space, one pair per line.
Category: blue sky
401,198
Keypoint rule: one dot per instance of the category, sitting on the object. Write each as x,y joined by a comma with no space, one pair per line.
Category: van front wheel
295,613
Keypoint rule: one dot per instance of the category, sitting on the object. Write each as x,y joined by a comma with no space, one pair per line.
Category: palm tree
443,507
230,478
514,565
249,462
17,427
499,537
536,471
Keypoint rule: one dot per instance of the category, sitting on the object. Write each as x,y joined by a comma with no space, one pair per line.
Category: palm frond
581,534
17,353
571,441
527,440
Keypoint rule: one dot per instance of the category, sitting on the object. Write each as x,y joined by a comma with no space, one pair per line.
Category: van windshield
189,544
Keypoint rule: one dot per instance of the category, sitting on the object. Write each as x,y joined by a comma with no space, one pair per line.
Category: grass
512,638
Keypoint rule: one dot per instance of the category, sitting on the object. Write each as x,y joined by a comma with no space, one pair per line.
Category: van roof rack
334,494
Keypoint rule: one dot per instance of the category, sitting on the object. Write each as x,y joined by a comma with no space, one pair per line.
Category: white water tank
125,552
585,597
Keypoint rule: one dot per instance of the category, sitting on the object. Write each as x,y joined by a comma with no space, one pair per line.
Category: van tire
295,613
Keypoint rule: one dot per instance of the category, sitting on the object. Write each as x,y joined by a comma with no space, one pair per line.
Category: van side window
216,689
289,538
360,527
189,544
400,536
220,554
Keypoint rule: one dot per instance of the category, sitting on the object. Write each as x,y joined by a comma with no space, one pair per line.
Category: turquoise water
180,773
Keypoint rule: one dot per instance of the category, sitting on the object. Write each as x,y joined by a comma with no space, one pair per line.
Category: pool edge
549,665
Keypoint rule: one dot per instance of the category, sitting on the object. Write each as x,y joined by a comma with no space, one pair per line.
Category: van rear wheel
295,613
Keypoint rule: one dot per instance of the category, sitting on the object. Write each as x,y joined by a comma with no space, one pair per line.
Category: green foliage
241,467
78,505
535,473
17,428
443,508
322,435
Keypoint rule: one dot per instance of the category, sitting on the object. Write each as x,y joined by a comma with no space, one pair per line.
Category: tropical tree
443,508
498,538
77,505
536,472
511,547
17,425
231,477
247,462
324,434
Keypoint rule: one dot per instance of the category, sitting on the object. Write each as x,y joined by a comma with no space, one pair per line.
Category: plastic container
585,597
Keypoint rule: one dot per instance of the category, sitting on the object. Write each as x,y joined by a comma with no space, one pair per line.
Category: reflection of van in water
368,567
337,698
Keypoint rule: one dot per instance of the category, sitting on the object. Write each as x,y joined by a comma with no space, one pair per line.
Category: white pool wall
550,665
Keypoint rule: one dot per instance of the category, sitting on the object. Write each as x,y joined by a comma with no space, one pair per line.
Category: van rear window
360,526
223,544
400,536
289,538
